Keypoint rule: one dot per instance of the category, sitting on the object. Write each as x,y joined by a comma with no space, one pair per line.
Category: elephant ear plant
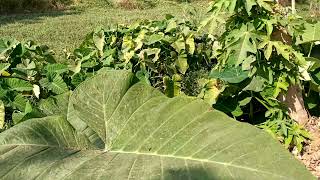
116,130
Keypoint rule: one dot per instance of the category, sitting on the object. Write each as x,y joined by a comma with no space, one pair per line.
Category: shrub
135,4
19,6
169,55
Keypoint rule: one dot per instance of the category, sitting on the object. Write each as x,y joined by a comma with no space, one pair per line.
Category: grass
66,29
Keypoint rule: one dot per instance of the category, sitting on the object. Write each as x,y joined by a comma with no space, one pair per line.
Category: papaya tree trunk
294,98
295,103
293,6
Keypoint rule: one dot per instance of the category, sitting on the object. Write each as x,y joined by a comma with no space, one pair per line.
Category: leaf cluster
260,59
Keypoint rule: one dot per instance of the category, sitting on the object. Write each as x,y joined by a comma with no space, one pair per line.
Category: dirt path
311,154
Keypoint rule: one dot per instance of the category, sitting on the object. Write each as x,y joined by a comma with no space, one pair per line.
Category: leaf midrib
159,155
199,160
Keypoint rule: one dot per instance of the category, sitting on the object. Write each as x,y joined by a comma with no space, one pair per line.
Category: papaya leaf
242,45
231,75
310,34
257,84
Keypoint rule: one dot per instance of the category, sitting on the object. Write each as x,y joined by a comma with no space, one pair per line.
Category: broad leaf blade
147,135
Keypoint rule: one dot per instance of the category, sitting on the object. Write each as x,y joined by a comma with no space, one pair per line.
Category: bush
18,6
169,55
135,4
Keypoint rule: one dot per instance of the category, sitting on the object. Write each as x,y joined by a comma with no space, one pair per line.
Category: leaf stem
310,50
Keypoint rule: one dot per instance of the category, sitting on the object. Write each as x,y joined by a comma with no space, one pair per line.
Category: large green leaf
242,45
55,105
16,84
55,84
230,74
145,135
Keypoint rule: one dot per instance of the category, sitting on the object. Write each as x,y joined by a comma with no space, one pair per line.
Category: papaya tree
262,66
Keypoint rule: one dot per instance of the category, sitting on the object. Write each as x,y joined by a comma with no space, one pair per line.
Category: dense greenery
19,6
261,57
251,66
138,92
167,54
111,129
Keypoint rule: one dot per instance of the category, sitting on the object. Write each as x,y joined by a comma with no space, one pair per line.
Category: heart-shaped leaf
144,135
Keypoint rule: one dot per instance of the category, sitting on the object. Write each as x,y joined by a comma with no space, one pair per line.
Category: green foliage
163,53
160,53
259,59
14,6
29,73
116,130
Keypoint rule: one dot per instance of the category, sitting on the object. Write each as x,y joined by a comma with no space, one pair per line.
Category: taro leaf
314,63
20,102
154,38
28,113
172,87
3,67
143,76
182,63
55,105
210,91
231,75
172,25
54,83
179,44
57,68
146,135
150,53
20,85
2,114
89,64
99,41
310,34
190,44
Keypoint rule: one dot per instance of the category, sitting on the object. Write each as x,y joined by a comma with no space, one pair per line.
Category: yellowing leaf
211,91
182,63
36,90
172,25
190,44
99,41
127,56
179,44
